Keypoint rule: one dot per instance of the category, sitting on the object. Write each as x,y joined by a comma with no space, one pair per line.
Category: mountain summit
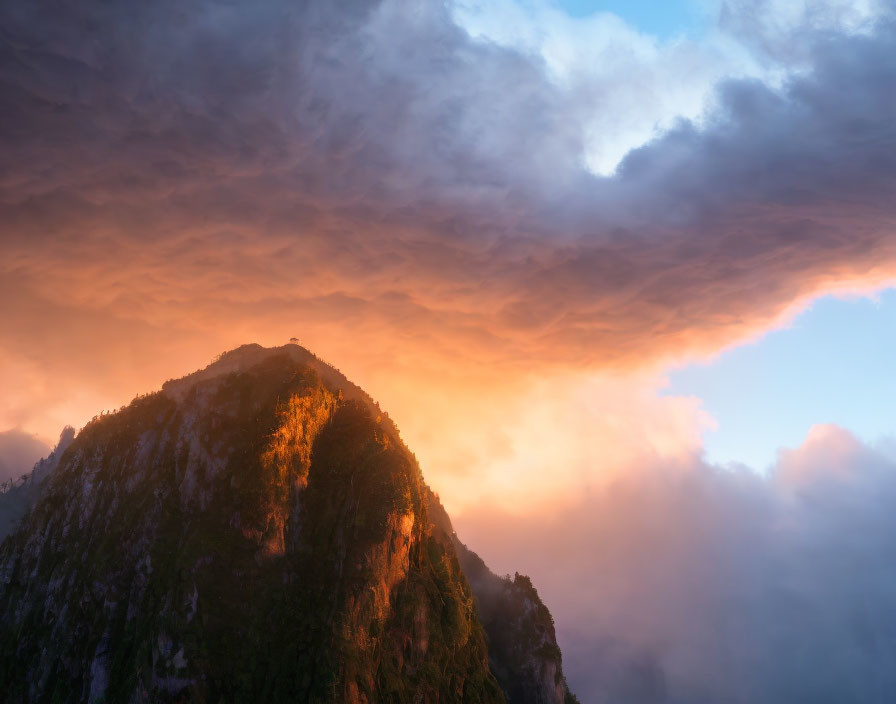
257,531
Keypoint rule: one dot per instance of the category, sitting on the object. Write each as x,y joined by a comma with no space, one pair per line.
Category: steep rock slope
256,531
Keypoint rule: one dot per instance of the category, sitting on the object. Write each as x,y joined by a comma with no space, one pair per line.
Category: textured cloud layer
218,173
679,582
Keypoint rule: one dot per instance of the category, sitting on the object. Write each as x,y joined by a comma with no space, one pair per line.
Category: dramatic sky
618,270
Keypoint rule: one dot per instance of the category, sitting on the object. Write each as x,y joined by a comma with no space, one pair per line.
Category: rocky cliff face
256,531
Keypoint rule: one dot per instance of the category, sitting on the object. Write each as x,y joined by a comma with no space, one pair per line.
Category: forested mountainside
255,531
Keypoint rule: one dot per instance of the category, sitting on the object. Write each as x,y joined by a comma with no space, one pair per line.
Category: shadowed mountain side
522,645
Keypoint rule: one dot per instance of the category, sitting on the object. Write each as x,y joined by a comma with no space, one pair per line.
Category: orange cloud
407,201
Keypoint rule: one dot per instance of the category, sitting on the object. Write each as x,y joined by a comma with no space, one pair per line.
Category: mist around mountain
16,495
255,531
18,453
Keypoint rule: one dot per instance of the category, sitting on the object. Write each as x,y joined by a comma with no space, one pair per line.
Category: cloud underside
280,168
687,583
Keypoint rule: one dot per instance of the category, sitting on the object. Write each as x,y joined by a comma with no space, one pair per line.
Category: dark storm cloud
211,153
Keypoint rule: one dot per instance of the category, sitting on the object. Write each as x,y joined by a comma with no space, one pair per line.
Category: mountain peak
240,359
255,530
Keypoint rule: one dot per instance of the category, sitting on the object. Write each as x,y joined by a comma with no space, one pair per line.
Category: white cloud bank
632,86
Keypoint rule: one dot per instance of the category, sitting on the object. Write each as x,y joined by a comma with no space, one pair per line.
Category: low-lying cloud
686,583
